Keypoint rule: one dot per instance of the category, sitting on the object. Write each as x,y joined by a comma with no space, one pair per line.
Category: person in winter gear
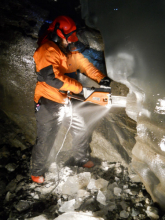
56,68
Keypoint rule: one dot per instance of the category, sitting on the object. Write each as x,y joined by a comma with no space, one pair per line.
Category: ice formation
133,38
77,216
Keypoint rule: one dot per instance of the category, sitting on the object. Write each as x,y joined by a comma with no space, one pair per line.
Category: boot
85,162
88,164
38,179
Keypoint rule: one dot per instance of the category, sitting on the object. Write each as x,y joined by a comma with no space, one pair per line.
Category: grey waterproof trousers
49,119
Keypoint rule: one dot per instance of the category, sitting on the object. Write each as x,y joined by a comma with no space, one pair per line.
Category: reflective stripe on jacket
52,64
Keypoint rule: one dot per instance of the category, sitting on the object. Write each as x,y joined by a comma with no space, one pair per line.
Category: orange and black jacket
52,66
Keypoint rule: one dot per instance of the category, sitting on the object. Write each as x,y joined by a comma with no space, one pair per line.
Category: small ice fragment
78,216
40,217
71,186
112,206
152,212
124,214
101,183
11,167
117,191
117,179
101,198
91,184
112,186
82,193
84,179
68,206
128,191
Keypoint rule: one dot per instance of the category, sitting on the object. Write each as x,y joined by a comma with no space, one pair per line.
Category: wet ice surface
134,56
102,192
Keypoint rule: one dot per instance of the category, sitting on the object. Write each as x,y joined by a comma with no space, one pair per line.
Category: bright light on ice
141,130
160,108
162,144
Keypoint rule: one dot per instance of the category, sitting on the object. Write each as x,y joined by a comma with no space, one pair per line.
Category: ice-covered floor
106,191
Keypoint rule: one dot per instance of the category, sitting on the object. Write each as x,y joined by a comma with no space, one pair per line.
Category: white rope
70,105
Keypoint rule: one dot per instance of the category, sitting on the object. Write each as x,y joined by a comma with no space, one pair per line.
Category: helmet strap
54,35
68,35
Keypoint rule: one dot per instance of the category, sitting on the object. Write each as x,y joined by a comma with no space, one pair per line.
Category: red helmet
65,28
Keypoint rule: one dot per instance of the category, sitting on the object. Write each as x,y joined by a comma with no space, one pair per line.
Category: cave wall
20,24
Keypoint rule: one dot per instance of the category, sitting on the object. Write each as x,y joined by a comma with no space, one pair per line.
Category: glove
82,92
105,82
